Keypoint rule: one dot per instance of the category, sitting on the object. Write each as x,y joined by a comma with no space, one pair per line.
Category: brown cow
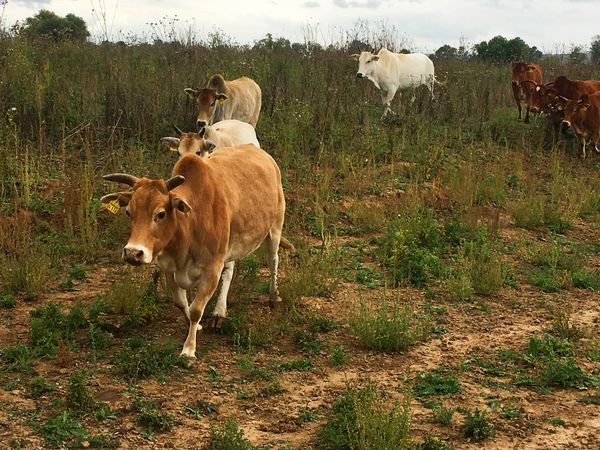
209,214
220,100
544,96
523,71
583,115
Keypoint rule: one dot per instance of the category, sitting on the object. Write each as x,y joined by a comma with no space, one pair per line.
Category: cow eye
212,104
368,61
160,216
127,212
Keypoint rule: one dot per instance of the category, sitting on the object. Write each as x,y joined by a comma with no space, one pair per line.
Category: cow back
243,103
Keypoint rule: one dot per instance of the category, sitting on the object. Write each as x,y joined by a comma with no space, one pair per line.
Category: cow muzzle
201,124
136,255
359,75
566,122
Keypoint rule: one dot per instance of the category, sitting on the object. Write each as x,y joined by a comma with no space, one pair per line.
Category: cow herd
223,200
225,195
565,102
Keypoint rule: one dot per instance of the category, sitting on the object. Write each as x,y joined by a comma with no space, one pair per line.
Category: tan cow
226,133
209,214
220,100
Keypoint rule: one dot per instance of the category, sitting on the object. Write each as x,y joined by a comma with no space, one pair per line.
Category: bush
229,436
149,416
142,359
477,426
387,326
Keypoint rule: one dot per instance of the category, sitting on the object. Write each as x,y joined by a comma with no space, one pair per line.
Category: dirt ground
476,329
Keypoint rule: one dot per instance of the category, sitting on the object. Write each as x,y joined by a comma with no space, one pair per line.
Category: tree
576,56
446,52
46,24
595,49
502,50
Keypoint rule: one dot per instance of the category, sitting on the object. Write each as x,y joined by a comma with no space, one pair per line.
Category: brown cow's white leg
273,240
179,295
220,311
584,147
206,288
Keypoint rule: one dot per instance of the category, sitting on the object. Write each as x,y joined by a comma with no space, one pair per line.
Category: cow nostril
201,123
358,75
139,255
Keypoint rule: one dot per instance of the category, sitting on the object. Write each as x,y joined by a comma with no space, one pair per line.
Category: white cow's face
366,64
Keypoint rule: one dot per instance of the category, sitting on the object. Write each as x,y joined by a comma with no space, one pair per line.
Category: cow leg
179,295
220,311
527,114
273,240
206,287
386,99
583,147
519,108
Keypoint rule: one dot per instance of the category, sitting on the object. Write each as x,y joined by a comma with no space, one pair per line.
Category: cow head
206,101
575,111
522,70
542,98
366,63
153,210
189,143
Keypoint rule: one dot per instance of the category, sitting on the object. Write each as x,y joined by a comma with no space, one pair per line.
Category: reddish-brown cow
211,213
523,71
583,115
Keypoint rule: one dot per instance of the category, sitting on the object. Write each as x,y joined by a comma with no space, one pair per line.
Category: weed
459,284
49,327
77,271
590,399
7,300
477,426
229,436
252,372
201,408
443,416
586,279
307,415
150,416
432,442
557,422
28,273
511,412
142,359
388,326
39,386
528,211
411,248
359,421
63,429
562,325
592,350
137,303
104,413
308,341
300,365
249,332
339,356
322,324
78,398
435,382
564,373
18,358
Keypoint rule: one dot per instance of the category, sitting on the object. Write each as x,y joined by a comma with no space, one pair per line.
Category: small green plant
435,382
528,212
7,300
142,359
150,416
443,415
300,365
39,386
308,341
78,399
104,413
137,303
77,271
557,422
477,426
359,421
63,429
432,442
229,436
563,326
339,356
18,358
307,415
388,326
251,372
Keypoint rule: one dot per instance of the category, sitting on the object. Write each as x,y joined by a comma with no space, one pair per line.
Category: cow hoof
273,301
217,322
191,355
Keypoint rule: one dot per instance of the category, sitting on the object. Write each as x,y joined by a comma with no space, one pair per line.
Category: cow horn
176,128
564,98
124,178
175,181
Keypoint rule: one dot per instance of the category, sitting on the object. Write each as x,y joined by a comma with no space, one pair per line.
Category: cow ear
170,143
122,197
530,69
193,93
355,57
180,205
375,58
222,97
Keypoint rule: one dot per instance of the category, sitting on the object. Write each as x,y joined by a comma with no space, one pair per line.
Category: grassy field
444,291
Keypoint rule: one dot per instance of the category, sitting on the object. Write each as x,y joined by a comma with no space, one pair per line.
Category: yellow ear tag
113,206
174,149
221,100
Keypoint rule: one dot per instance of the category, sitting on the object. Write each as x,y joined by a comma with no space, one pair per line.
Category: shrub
388,326
38,386
149,416
229,436
138,304
7,300
142,359
78,398
477,426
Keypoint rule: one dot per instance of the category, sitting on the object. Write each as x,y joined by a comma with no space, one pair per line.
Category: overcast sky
424,24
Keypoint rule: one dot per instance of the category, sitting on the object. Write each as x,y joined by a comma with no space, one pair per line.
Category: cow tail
284,243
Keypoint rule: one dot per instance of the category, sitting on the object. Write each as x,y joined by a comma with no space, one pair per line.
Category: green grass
228,436
141,359
149,415
339,357
7,300
436,382
388,326
78,399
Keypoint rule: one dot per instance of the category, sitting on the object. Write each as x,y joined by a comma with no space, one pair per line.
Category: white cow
226,133
392,71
